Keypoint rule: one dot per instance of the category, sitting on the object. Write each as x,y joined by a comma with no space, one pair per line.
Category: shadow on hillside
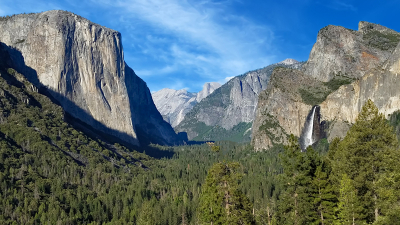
13,58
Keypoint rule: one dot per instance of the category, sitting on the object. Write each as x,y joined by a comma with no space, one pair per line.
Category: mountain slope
350,52
81,64
339,57
175,104
229,110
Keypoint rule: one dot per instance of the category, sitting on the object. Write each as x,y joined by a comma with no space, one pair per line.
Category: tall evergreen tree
363,154
349,205
297,204
324,195
221,201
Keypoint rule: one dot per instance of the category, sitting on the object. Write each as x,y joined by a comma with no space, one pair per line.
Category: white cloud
195,41
339,5
207,37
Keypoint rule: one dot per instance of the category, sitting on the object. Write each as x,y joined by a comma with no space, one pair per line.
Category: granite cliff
345,68
229,111
350,52
81,65
381,85
175,104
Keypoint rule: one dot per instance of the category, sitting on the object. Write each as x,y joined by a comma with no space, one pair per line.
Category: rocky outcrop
233,103
175,104
381,85
81,64
338,52
281,110
208,88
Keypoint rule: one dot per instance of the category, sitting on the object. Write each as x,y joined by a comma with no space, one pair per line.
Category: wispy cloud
339,5
207,38
194,41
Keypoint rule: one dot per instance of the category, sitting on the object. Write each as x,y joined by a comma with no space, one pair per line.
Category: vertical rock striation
281,110
230,105
82,66
369,56
381,85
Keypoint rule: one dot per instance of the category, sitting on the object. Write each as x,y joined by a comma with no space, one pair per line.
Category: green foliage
221,201
313,96
52,173
309,196
322,146
382,40
324,194
239,133
316,95
215,148
349,208
272,129
365,155
11,71
394,120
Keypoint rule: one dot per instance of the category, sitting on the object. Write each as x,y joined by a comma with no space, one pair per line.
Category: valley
84,141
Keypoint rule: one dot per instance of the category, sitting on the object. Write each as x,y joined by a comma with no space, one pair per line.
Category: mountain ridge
229,108
344,65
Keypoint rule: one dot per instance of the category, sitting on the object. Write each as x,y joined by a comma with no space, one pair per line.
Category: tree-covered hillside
53,173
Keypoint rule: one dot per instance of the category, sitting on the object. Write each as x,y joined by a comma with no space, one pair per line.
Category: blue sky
185,43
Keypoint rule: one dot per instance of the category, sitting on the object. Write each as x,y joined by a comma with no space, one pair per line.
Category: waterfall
306,138
309,130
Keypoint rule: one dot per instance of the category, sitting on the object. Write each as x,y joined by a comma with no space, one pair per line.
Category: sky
181,44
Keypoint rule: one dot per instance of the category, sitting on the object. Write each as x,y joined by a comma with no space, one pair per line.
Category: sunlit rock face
175,104
82,66
353,53
233,103
381,85
370,56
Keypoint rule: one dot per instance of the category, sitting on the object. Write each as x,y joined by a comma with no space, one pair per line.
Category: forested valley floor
53,173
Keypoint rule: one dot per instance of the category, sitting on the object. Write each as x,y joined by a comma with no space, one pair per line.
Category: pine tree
349,205
146,216
388,190
363,154
297,205
324,197
221,202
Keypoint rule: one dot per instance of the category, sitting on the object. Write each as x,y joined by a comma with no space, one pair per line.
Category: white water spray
308,134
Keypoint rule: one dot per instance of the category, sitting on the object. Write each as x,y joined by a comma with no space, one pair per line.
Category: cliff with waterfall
345,69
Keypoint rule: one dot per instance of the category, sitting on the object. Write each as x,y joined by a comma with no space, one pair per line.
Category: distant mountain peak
174,104
288,62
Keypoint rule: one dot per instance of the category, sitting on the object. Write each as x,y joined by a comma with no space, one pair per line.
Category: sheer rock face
208,88
280,109
381,85
175,104
369,55
82,66
232,103
345,51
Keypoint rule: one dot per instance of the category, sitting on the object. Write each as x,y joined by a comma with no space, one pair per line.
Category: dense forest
54,173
